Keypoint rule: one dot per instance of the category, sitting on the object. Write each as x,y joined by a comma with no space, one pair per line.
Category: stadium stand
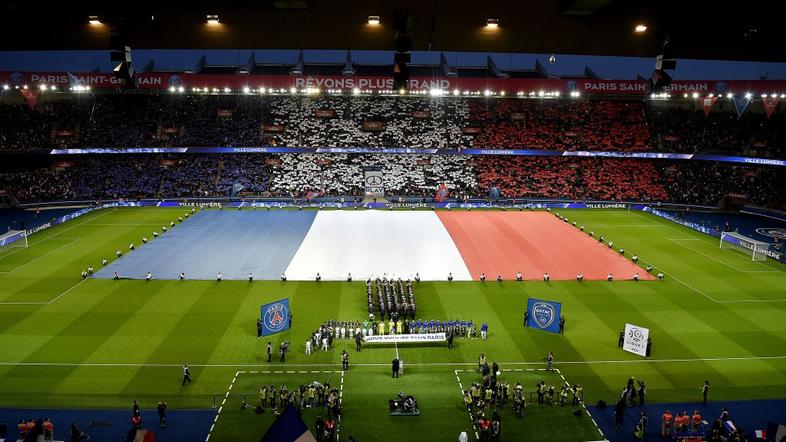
117,120
685,129
300,175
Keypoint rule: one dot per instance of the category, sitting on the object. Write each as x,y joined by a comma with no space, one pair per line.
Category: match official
186,374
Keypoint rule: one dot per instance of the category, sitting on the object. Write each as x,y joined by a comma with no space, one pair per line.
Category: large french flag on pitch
289,427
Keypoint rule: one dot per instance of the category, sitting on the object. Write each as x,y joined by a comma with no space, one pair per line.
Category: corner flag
275,317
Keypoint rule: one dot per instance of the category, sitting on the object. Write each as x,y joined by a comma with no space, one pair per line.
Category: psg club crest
275,317
174,80
779,234
544,315
571,85
16,78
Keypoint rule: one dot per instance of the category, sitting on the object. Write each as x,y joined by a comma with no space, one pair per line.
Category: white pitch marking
42,256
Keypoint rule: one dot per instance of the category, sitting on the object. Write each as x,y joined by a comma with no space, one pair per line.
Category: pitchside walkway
113,425
232,242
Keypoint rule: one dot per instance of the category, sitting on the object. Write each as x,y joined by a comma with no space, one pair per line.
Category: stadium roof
695,29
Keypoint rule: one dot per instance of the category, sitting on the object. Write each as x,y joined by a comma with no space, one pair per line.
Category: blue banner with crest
275,317
544,315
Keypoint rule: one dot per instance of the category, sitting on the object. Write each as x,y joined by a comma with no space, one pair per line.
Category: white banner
374,183
636,339
425,337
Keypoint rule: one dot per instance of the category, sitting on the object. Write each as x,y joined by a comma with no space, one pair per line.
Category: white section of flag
373,243
636,339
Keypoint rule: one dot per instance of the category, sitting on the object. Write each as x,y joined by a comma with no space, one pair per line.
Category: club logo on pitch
543,313
636,334
276,317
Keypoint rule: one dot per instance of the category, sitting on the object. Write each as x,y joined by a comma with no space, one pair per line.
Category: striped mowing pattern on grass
103,343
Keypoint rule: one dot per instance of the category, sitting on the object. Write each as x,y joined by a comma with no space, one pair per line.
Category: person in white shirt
104,261
283,277
463,437
518,276
308,346
580,277
182,276
148,276
610,277
546,277
219,277
325,344
250,277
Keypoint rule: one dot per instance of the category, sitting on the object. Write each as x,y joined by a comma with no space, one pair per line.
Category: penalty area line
46,302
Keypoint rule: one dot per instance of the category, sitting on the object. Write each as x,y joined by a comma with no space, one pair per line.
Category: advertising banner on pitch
275,317
636,339
544,315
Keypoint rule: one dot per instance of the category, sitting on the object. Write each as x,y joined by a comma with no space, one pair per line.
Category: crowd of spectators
116,120
342,174
406,175
686,128
604,179
560,124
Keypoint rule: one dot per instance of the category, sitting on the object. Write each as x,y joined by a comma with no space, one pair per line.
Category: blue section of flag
275,317
544,315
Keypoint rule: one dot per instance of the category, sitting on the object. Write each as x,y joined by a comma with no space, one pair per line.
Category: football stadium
375,221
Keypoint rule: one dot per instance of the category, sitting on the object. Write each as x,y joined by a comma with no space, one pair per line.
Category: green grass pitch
101,343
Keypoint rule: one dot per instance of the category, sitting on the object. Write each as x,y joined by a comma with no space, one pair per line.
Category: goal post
13,239
758,250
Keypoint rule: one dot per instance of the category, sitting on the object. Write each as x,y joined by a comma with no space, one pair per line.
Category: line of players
395,298
332,329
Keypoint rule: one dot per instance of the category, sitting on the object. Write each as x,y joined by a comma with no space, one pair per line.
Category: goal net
13,239
758,250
